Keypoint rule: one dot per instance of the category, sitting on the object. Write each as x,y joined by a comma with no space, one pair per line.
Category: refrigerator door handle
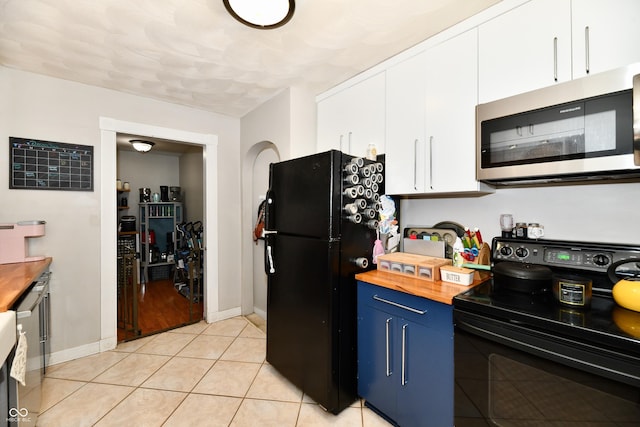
272,269
268,212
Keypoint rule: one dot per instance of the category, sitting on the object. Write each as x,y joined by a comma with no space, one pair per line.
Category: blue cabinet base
405,357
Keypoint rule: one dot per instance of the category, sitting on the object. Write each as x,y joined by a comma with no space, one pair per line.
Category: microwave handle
555,59
636,119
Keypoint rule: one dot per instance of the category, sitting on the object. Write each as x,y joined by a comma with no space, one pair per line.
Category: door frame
109,219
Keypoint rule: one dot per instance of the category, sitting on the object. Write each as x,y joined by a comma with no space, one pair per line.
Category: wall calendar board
46,165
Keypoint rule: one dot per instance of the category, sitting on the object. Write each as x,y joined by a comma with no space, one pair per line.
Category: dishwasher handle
31,301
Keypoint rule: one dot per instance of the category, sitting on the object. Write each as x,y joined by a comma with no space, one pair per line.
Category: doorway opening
110,128
160,229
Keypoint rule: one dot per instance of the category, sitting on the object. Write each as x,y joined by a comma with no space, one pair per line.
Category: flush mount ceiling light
141,145
262,14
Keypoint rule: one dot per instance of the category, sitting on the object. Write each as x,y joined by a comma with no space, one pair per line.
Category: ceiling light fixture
141,145
262,14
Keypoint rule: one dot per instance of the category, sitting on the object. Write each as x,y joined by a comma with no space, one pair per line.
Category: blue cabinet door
425,393
405,356
376,371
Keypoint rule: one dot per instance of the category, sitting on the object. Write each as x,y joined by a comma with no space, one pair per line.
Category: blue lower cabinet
405,356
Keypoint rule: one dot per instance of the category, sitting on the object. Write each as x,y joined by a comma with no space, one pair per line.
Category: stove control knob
522,252
600,260
506,251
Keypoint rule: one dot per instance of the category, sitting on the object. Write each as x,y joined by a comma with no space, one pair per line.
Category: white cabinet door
332,122
352,119
524,49
406,159
452,88
605,35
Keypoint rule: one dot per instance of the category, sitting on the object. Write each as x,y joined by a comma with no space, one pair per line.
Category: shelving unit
161,218
121,195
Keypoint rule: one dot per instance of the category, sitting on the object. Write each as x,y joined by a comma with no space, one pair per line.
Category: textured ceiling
191,52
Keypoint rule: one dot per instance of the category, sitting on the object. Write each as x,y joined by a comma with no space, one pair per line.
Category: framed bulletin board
46,165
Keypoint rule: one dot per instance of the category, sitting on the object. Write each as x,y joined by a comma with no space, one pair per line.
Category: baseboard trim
110,343
260,313
214,316
74,353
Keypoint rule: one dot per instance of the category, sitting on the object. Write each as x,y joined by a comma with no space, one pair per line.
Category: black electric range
602,338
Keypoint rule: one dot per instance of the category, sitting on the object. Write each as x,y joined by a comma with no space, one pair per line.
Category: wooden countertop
16,278
436,291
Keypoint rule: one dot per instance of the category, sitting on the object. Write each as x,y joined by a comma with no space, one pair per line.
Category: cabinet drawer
423,311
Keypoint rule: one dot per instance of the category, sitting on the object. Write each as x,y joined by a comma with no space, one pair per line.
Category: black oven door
502,382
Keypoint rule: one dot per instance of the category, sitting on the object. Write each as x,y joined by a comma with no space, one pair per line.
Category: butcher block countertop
16,278
436,291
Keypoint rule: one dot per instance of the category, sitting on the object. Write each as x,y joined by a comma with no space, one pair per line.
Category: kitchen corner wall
35,106
601,212
282,128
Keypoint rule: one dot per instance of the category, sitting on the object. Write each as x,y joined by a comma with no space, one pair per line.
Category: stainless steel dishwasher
32,318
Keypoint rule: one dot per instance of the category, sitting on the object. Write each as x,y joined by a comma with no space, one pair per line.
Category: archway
255,181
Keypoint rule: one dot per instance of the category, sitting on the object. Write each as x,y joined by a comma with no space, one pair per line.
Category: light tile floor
199,375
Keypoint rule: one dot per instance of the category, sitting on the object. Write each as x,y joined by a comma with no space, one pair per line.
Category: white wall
259,189
191,181
146,170
285,127
604,212
40,107
303,122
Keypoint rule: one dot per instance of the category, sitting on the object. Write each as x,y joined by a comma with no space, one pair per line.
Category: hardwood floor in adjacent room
160,308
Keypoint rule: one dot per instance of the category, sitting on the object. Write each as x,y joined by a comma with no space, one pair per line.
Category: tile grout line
139,386
191,391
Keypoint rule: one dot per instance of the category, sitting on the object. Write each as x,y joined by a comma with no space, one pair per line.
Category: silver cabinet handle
341,143
555,59
395,304
586,49
431,162
415,165
387,324
404,354
349,143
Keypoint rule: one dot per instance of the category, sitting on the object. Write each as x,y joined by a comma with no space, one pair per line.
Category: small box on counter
457,275
418,266
429,269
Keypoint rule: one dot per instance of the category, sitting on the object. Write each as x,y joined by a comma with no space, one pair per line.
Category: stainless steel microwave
580,130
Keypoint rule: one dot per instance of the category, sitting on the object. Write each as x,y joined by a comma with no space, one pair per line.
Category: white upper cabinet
605,35
452,95
431,100
544,42
406,160
353,118
524,49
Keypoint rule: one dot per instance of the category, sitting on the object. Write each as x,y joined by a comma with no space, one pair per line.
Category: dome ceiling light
261,14
141,145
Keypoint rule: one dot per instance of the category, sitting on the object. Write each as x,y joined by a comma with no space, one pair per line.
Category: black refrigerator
320,228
